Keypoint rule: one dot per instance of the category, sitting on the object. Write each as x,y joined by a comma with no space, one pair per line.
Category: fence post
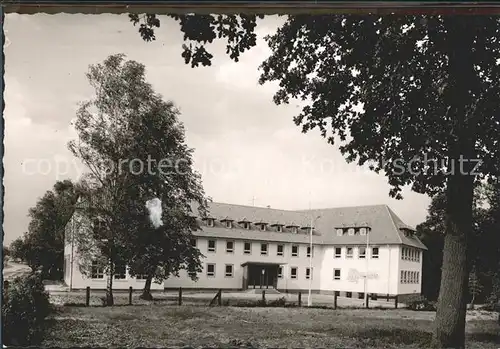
130,295
264,296
396,301
180,295
367,305
335,300
87,296
300,299
219,299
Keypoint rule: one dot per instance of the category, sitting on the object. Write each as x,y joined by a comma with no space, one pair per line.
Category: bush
25,308
421,304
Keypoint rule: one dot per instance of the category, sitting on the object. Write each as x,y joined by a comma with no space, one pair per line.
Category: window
229,224
97,271
247,249
402,277
229,271
375,252
295,251
294,230
348,294
405,277
246,225
340,232
337,293
308,273
120,272
141,276
309,251
362,231
418,277
263,249
361,295
263,227
293,272
280,251
229,246
349,253
350,231
403,253
336,274
362,252
211,245
338,252
279,228
210,222
418,256
211,270
193,242
280,272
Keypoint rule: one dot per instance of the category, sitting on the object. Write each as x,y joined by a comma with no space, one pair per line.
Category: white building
252,247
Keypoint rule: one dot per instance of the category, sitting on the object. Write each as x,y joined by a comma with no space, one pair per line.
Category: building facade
350,250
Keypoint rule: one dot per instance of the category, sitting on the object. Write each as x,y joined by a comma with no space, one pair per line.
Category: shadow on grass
396,336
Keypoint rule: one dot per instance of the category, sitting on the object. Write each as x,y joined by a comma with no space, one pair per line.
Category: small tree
475,287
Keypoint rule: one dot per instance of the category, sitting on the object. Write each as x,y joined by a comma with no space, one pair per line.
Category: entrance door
262,276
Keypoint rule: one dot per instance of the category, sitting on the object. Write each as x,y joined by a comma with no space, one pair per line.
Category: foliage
5,252
421,304
134,146
25,307
42,246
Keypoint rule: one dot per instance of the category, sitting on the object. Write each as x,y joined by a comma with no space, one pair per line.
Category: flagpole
366,266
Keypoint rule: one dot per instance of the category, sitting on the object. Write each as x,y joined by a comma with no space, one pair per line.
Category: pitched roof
385,225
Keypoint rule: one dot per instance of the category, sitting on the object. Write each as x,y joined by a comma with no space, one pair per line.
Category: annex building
249,247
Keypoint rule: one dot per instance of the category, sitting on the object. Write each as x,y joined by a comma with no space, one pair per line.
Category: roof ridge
389,211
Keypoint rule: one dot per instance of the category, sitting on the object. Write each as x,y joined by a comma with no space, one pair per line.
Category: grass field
163,325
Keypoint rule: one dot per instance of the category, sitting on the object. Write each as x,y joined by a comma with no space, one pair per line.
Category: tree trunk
109,284
146,292
452,303
472,302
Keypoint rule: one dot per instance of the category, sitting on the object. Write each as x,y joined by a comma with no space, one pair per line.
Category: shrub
421,304
25,308
280,302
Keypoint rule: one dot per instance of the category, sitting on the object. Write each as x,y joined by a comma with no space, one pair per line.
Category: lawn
161,325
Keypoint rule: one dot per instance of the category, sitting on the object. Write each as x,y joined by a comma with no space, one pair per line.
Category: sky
247,149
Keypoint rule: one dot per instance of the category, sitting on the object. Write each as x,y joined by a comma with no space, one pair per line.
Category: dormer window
294,230
279,228
229,224
246,225
350,231
261,225
210,222
362,231
340,231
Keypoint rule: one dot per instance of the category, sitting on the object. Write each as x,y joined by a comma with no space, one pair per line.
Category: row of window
410,277
280,228
247,248
410,254
97,272
352,231
362,252
280,250
228,223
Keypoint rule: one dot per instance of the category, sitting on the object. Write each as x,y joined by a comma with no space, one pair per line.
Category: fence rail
227,298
